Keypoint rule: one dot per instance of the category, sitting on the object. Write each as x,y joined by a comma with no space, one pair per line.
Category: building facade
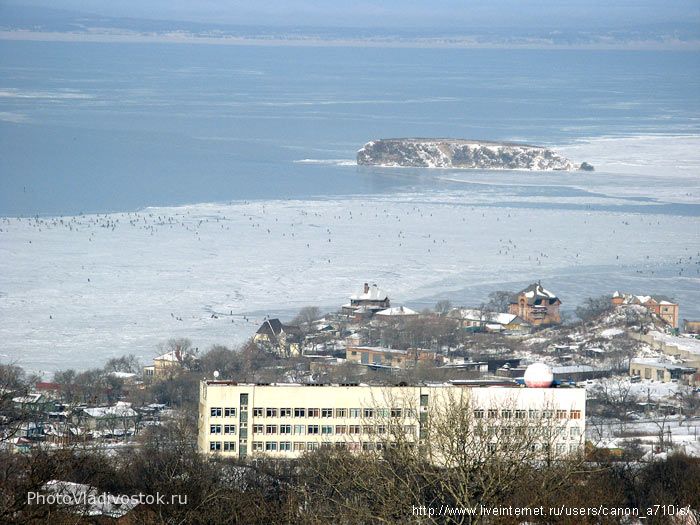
286,420
654,370
388,357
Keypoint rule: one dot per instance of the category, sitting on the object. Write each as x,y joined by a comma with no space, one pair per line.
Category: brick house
536,306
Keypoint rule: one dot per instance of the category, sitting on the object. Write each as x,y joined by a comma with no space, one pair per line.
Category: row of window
301,446
331,412
226,446
479,413
327,429
222,412
493,413
219,429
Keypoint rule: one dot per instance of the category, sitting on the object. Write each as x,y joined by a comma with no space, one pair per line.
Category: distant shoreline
433,43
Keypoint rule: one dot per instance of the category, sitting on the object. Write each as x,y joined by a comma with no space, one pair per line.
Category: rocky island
460,153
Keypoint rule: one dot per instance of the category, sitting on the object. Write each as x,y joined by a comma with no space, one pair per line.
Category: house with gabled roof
536,305
273,335
366,302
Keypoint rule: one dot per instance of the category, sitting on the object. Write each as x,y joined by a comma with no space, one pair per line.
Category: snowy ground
78,290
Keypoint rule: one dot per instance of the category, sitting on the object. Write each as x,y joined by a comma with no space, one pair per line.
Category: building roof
121,409
473,314
89,501
397,311
628,298
659,364
535,294
370,293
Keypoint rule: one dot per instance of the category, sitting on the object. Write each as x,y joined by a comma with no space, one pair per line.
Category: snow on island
459,153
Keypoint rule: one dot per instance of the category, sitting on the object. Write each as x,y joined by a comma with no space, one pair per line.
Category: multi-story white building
285,420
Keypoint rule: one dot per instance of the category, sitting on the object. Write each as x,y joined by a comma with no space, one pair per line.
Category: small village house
168,363
654,370
275,336
367,302
473,319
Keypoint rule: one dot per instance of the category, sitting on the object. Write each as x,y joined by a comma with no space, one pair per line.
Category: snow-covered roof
397,310
473,314
172,356
535,293
29,398
370,293
659,364
121,409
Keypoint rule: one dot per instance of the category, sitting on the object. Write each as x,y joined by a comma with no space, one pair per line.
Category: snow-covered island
460,153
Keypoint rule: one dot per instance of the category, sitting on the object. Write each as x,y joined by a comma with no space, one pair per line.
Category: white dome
539,375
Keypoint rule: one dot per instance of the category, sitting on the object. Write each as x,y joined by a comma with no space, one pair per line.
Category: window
381,429
313,412
574,432
575,414
285,412
353,429
271,429
285,445
493,413
299,429
299,446
326,429
573,448
383,412
244,400
326,412
257,445
506,414
341,444
423,418
258,429
367,446
215,445
244,417
257,412
409,412
270,446
229,429
299,412
424,400
520,414
311,445
561,414
561,448
341,429
353,446
229,446
271,412
368,412
410,429
229,412
285,429
341,412
312,429
534,414
215,412
395,412
354,412
491,447
243,434
547,414
215,429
